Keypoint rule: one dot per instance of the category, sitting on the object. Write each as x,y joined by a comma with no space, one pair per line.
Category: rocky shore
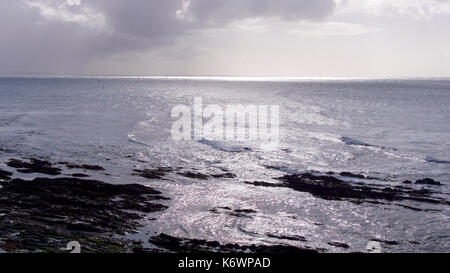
201,246
44,214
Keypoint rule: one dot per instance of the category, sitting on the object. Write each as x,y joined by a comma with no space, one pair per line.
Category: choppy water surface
392,130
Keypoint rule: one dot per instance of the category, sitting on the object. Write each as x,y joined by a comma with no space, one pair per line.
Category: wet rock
157,173
264,184
278,168
407,182
92,167
224,175
194,175
387,242
236,212
45,214
338,244
185,245
83,166
352,175
217,209
5,175
160,172
332,188
80,175
285,237
414,208
213,244
34,166
244,211
428,181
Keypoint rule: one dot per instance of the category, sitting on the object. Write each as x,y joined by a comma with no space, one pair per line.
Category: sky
299,38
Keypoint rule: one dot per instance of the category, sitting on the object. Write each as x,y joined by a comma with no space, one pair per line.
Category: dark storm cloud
142,18
156,18
44,36
29,44
219,11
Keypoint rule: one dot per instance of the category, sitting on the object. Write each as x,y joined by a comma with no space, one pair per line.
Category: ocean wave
231,147
132,138
352,141
355,142
435,160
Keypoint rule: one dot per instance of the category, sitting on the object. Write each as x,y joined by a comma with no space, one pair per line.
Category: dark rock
244,211
183,245
34,166
284,237
92,167
217,209
80,175
224,175
236,213
84,167
388,242
213,244
149,174
338,244
48,213
407,182
332,188
5,175
199,242
86,227
264,184
428,181
409,207
352,175
194,175
157,173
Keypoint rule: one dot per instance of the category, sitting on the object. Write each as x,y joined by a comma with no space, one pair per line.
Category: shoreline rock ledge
43,214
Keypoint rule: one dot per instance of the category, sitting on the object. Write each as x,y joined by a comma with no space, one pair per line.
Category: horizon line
224,77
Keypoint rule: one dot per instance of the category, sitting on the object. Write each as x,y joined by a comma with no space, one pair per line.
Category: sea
390,130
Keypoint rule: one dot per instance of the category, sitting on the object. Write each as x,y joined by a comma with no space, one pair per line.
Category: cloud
157,18
417,9
65,12
62,36
304,29
31,42
216,12
142,18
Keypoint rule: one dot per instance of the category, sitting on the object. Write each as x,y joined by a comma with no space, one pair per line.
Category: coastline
45,213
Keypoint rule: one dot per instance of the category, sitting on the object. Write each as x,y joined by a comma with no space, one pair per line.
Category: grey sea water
390,129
